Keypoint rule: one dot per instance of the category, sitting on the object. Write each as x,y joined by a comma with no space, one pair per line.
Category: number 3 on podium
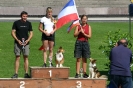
79,84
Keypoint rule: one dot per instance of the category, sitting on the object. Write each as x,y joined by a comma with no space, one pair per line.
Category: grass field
99,31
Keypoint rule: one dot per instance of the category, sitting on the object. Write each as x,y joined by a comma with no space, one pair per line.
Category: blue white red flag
67,14
73,24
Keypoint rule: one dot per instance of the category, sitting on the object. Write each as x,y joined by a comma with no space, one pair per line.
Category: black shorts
82,49
49,38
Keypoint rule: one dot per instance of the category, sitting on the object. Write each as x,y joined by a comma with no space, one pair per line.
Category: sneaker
77,75
44,65
26,75
15,76
85,75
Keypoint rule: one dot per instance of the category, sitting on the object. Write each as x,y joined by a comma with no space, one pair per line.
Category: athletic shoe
77,75
15,76
44,65
26,75
85,75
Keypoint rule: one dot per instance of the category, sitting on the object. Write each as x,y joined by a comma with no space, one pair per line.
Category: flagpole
76,8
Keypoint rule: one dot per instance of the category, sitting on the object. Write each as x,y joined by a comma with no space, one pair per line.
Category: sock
50,58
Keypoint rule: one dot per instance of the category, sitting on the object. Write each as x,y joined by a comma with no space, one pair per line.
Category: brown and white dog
59,57
92,66
93,71
97,73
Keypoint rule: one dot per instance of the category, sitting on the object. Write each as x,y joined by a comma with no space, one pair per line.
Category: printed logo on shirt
23,26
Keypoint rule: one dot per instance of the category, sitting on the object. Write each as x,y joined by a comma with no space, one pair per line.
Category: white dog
92,67
59,58
93,71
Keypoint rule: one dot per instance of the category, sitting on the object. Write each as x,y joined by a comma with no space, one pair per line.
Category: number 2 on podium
22,83
50,73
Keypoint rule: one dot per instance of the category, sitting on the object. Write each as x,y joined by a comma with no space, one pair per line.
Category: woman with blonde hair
47,27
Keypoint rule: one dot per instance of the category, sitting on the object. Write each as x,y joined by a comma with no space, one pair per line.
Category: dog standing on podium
59,57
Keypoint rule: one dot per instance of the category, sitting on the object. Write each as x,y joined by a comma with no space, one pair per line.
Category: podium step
49,72
24,83
52,83
79,83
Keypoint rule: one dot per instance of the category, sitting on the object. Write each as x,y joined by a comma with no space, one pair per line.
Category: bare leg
84,64
17,64
45,45
51,44
26,63
77,65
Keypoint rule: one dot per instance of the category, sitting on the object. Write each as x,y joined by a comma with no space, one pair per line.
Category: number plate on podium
50,72
79,83
24,83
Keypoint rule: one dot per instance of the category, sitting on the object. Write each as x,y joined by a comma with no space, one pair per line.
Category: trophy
81,72
23,42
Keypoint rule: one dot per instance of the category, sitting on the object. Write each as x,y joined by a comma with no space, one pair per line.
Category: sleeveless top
81,37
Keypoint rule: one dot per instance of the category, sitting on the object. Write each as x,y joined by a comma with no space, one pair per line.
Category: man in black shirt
22,34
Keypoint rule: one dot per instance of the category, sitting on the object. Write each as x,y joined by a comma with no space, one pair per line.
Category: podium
49,72
52,78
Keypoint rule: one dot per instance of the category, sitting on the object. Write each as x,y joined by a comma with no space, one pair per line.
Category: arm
30,33
76,32
13,33
88,35
29,38
41,29
55,28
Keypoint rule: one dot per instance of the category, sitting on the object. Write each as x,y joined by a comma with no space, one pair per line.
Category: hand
19,42
46,33
82,31
52,32
26,42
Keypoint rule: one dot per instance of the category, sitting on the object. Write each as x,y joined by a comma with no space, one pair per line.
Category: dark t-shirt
120,58
22,29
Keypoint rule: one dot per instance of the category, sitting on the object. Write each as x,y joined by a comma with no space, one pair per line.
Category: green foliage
111,40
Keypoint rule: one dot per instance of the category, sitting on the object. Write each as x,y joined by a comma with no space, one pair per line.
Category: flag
67,14
73,24
41,48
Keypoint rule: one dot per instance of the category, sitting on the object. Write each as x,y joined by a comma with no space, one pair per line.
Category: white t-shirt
48,25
